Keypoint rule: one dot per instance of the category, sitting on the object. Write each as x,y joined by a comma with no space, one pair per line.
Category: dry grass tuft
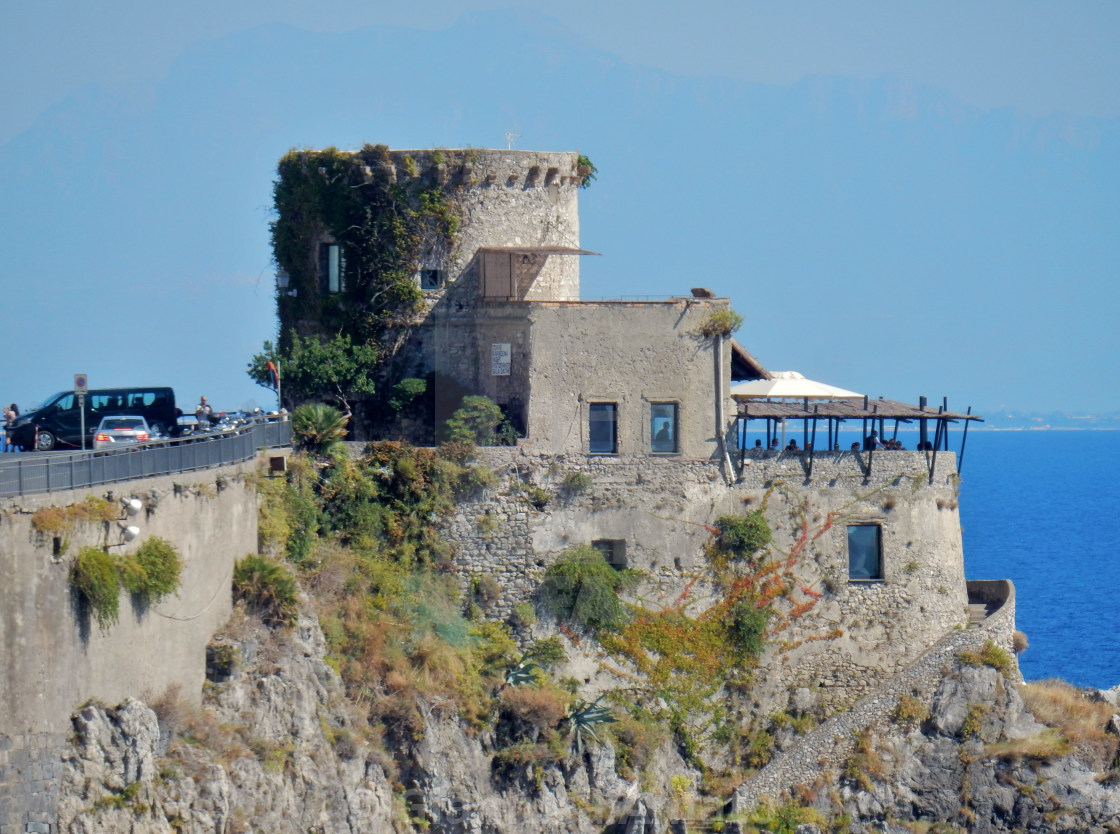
1081,719
1041,747
540,707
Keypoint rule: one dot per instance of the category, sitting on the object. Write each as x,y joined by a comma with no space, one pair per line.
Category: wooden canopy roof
853,408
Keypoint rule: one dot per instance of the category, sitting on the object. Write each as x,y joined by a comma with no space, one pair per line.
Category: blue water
1038,508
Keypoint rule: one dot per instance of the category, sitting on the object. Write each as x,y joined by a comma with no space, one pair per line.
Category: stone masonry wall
54,658
852,636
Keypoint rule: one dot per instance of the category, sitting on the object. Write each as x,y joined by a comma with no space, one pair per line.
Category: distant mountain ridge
860,227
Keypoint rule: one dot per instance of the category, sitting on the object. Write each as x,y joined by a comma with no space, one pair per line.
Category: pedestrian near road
11,412
203,412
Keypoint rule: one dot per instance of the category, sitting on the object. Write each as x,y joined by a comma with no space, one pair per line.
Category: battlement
489,167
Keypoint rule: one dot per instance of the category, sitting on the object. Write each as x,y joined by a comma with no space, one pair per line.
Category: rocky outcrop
278,748
274,750
979,761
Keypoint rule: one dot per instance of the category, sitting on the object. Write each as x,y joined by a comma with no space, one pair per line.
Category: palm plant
524,672
583,716
318,427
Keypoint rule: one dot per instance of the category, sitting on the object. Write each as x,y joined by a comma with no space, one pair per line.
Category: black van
58,422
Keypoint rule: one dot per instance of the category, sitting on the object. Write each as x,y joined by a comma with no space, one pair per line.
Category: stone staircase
977,613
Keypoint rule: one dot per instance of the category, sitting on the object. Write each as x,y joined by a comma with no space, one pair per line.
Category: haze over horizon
927,206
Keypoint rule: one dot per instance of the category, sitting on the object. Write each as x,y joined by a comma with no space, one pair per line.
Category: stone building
636,396
502,316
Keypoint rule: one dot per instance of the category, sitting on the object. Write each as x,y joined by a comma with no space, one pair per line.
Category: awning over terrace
835,412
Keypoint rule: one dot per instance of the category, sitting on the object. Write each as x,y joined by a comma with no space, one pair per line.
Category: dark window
603,433
332,267
663,427
865,553
613,550
431,279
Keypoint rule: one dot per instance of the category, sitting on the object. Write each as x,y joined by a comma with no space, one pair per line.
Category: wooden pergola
877,413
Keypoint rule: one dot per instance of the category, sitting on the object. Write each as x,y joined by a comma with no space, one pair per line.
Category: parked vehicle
119,431
57,422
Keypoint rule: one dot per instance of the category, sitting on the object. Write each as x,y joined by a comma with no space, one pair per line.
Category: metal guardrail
29,475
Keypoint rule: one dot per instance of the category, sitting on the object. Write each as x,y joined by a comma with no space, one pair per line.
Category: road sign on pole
81,381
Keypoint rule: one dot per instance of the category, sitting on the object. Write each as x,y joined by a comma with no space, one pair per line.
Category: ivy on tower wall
385,222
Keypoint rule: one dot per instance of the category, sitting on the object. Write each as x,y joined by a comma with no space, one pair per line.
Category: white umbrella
789,385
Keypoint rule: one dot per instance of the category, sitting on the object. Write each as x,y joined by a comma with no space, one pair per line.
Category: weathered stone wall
506,199
53,657
509,198
850,635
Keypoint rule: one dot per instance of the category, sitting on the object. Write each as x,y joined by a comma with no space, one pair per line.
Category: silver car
117,432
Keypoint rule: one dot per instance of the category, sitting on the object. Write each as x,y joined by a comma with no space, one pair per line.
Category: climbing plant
383,221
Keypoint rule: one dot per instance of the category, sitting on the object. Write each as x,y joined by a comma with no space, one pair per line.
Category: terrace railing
32,474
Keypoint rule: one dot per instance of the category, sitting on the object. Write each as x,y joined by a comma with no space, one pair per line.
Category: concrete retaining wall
53,656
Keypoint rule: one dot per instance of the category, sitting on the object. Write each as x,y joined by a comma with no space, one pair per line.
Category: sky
901,198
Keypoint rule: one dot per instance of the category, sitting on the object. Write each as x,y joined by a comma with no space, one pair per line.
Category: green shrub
268,588
721,323
538,497
478,420
587,170
988,655
153,571
973,723
405,391
576,482
317,427
743,535
548,652
523,615
909,711
94,575
747,627
486,589
583,588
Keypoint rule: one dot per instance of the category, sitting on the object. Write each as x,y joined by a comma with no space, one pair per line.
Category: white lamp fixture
128,531
132,505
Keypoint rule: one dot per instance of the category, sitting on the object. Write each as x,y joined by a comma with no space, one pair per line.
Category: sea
1037,508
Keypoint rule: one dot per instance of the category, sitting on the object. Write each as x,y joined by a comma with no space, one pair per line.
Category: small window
603,429
865,553
332,267
431,279
663,428
613,550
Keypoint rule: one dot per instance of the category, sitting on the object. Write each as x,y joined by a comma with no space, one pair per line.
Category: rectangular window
431,279
663,428
332,267
865,553
603,430
613,550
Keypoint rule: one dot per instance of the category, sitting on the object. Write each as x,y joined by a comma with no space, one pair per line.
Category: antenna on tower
510,136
